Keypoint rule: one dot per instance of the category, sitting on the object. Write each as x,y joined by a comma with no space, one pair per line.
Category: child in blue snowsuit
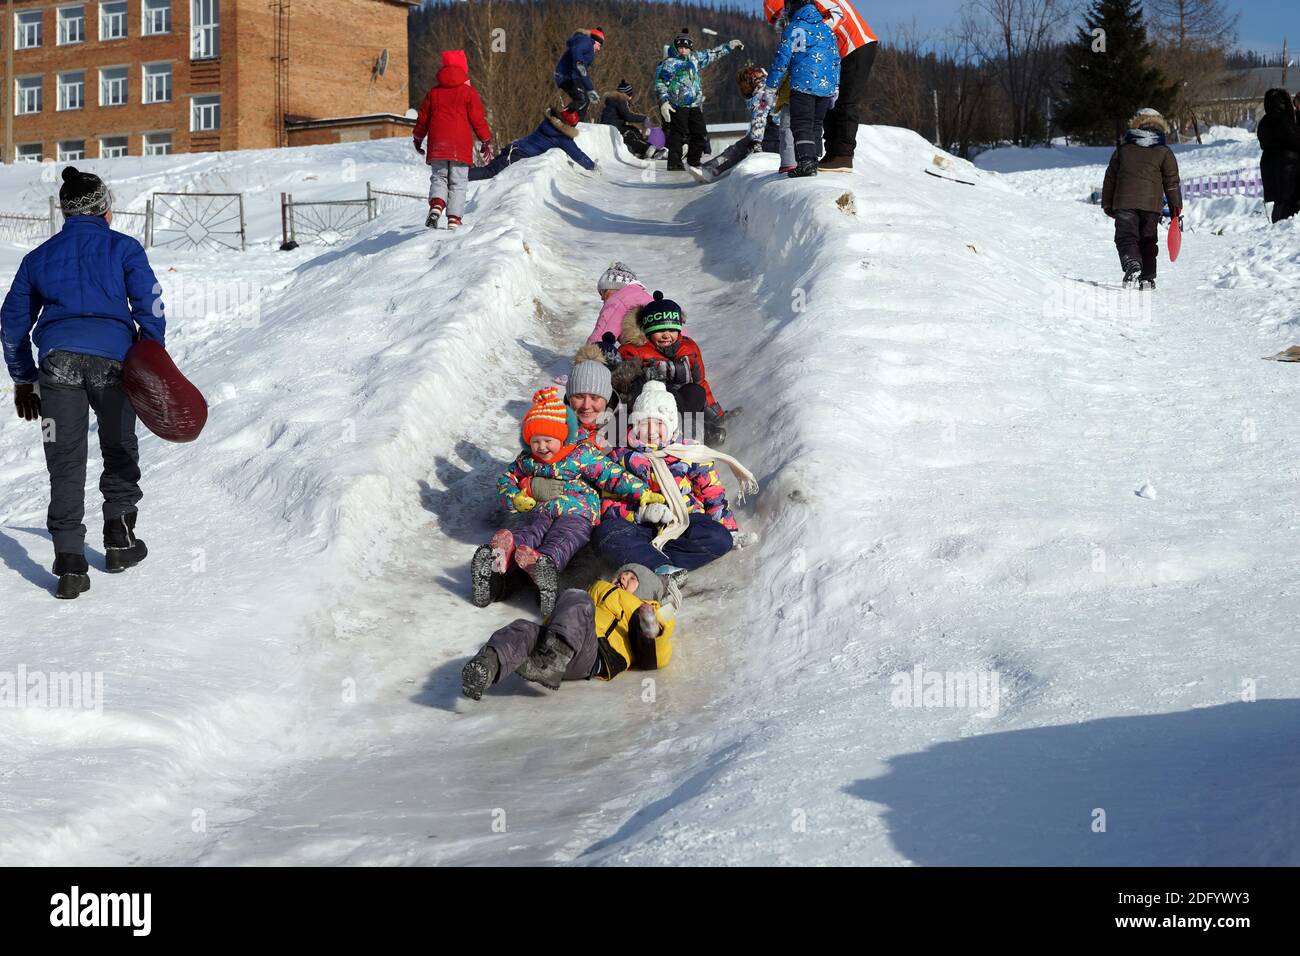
556,131
809,54
572,75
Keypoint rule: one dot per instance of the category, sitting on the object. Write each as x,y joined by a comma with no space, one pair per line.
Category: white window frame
103,87
205,108
205,29
71,155
23,88
126,147
105,18
63,104
29,29
63,21
148,82
20,158
149,15
150,147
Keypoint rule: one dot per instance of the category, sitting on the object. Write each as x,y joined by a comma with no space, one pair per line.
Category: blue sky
1263,22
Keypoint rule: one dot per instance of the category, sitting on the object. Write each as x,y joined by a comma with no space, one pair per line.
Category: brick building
86,79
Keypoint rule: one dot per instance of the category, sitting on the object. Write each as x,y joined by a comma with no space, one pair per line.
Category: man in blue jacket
571,72
83,297
553,132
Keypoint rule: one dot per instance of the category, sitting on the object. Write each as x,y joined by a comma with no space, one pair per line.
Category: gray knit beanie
83,194
590,378
615,277
649,586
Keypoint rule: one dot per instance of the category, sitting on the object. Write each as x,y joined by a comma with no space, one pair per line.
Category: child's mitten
653,514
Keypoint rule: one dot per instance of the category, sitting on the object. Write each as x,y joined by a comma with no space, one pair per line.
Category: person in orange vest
858,46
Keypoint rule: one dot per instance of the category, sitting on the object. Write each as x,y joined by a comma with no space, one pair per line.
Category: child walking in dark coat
1142,174
1279,166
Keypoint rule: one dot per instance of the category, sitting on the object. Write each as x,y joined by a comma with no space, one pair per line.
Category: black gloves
27,402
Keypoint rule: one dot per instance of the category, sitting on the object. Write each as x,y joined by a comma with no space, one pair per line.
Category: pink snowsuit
633,295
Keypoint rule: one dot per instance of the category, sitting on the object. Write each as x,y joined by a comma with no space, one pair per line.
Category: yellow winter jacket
616,650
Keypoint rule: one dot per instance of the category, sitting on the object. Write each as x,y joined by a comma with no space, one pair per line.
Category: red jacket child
452,116
675,364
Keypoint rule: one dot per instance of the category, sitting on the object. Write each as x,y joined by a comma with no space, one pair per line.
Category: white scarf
679,516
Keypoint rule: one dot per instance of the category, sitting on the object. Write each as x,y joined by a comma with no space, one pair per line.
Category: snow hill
949,408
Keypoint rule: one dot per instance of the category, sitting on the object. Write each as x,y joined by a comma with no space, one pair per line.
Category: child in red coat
655,349
451,116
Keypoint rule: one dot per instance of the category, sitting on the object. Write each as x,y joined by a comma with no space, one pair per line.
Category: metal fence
322,223
209,221
24,228
1239,182
386,200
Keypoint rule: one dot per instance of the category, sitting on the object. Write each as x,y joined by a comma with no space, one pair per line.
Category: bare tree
1194,38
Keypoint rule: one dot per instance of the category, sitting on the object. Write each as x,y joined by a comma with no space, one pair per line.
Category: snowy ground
950,408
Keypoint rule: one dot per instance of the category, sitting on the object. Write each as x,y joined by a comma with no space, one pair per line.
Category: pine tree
1111,73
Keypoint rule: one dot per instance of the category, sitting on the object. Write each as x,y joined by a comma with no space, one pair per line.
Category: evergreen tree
1111,73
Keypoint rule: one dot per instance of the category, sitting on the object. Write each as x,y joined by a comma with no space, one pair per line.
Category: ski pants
1286,207
507,157
732,156
449,182
686,127
635,140
1137,238
573,621
625,542
843,119
807,113
578,99
71,385
557,538
777,138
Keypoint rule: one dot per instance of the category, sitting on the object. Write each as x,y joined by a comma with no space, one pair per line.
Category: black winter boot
480,673
548,662
806,167
486,585
122,549
547,578
74,576
1131,272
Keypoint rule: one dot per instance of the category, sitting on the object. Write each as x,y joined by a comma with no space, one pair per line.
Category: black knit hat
684,39
660,315
83,194
625,87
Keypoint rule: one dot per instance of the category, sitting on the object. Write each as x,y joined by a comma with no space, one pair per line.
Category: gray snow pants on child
71,385
787,140
573,621
449,181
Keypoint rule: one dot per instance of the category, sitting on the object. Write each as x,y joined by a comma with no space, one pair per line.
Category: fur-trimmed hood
1152,121
617,96
563,127
631,333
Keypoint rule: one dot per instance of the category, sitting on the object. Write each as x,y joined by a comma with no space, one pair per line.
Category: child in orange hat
555,529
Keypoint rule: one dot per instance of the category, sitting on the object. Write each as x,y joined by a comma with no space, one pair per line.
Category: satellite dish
381,64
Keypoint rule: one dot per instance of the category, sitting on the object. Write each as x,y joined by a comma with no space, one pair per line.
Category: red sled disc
1175,239
164,399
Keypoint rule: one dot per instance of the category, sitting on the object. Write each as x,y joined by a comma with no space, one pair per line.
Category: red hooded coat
452,116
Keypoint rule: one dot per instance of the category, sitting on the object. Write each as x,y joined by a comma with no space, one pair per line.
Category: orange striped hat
549,416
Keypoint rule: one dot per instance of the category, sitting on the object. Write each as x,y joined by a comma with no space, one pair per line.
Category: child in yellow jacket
611,627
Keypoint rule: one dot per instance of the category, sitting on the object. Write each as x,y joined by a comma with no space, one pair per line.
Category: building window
112,147
157,17
112,20
205,114
157,144
28,96
30,153
112,86
72,150
72,25
27,29
205,29
72,90
157,82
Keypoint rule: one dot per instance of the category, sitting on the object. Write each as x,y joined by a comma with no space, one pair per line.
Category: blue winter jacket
84,290
579,52
552,133
809,52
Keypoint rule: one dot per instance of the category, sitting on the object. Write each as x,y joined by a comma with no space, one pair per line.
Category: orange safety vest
851,31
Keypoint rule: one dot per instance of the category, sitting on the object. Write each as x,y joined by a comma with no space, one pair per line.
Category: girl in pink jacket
621,292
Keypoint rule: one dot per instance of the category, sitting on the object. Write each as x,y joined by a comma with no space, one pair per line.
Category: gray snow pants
449,181
573,621
787,140
71,385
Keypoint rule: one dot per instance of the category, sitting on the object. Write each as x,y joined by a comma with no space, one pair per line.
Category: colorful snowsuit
677,81
582,471
698,484
815,67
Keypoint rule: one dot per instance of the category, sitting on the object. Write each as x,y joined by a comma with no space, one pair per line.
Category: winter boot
548,662
1147,284
503,550
676,575
486,584
715,433
547,578
806,167
705,174
836,164
660,154
122,549
436,206
1131,272
480,673
786,170
453,222
74,576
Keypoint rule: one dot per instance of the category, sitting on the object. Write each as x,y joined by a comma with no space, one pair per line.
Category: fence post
53,222
148,223
286,223
370,203
242,242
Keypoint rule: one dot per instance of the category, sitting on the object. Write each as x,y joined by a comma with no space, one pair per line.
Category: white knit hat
615,277
654,402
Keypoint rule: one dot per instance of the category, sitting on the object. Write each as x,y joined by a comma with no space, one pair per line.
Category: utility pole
1285,63
8,156
938,140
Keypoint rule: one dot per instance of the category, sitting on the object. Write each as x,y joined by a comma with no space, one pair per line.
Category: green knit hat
660,315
